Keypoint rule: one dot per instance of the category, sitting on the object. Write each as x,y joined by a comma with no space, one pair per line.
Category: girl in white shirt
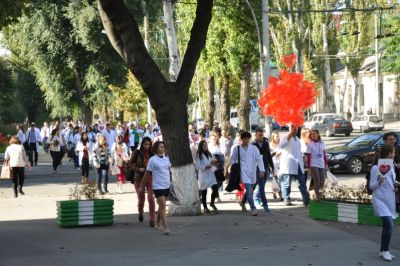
383,199
159,167
276,154
54,141
205,166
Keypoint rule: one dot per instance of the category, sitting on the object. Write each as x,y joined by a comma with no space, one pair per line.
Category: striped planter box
77,213
344,212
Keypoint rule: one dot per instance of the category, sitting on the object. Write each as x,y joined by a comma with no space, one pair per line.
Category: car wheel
347,134
355,165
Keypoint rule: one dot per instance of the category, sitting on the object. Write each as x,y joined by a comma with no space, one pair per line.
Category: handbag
219,175
6,171
234,176
114,170
275,185
331,178
129,174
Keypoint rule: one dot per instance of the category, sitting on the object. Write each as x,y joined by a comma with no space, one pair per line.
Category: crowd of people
138,154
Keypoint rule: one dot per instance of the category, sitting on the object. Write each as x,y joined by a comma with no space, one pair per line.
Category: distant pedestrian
383,199
120,158
54,141
33,138
159,168
276,155
348,115
44,134
17,160
101,160
84,147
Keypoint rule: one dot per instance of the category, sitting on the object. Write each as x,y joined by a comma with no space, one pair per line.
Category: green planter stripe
344,212
86,212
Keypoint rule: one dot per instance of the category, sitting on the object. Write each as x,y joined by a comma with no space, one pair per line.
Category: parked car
357,155
331,126
317,119
276,126
368,123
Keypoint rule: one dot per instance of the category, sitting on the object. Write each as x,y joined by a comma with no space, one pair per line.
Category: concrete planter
78,213
344,212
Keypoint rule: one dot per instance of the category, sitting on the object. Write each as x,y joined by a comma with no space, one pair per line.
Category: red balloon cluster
286,98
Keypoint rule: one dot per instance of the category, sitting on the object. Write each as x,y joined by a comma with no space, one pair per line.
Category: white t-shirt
159,167
316,150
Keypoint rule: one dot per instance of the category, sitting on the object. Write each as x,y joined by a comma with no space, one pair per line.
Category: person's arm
259,161
7,155
269,157
144,180
25,158
326,160
234,154
284,142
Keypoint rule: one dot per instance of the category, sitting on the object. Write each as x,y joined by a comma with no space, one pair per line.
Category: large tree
168,99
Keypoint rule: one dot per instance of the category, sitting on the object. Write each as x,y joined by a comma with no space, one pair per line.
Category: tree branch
195,45
124,34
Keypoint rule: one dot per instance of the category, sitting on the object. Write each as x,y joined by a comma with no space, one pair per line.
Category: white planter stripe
347,213
86,208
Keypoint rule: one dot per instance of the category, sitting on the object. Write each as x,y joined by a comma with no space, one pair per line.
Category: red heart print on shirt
384,168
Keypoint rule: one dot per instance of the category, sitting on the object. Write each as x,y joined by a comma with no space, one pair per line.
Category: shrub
347,194
84,191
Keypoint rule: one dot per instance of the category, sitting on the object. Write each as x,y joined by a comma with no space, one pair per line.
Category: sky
3,50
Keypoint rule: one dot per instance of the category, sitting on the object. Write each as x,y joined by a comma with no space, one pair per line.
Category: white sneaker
393,256
386,256
254,212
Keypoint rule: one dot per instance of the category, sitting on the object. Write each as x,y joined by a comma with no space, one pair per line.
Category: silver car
365,123
331,126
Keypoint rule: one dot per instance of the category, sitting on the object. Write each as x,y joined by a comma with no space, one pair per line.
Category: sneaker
288,203
140,218
254,212
212,205
257,202
151,224
266,209
244,209
206,210
393,256
21,192
386,256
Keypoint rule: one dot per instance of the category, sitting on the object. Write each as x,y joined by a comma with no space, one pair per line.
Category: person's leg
163,215
15,181
386,232
285,181
249,195
106,168
53,157
150,199
316,179
204,199
31,152
256,195
141,198
261,191
62,153
99,178
214,194
36,153
21,179
302,187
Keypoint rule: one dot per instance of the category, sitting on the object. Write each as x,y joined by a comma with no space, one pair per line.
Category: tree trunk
224,102
244,102
87,112
121,116
210,100
106,113
355,96
171,39
329,92
168,99
343,91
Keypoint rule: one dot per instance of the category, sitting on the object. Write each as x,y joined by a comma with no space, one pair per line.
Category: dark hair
388,134
317,131
200,150
143,141
259,129
119,139
155,146
245,135
203,133
84,141
385,150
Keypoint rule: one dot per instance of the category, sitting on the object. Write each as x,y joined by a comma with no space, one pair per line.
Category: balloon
287,97
289,60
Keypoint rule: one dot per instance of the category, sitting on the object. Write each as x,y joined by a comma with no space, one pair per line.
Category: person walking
292,166
120,158
33,138
17,160
263,146
383,199
218,151
159,167
84,147
276,154
55,141
205,165
250,159
304,141
138,163
317,162
45,134
101,160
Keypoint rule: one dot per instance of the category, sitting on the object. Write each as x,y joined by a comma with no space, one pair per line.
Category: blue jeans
386,232
286,181
103,169
248,195
259,192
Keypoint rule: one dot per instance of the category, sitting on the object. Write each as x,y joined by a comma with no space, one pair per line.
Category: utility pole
266,70
146,44
377,65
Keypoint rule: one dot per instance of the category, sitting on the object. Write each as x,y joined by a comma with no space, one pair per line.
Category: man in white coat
292,166
250,158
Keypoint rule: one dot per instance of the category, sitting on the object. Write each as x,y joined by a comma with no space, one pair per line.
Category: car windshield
364,140
375,119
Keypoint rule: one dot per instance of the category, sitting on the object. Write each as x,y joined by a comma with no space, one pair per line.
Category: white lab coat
80,147
37,135
291,156
206,176
110,137
383,196
250,158
21,136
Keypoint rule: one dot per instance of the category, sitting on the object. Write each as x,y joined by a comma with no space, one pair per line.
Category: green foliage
11,10
391,47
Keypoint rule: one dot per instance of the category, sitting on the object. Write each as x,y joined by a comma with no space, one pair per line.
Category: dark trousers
386,232
85,167
62,153
103,169
33,151
18,178
214,194
56,156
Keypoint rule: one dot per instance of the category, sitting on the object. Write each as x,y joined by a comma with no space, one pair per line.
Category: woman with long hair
54,141
101,160
84,148
16,158
120,158
159,167
138,163
276,154
205,166
218,151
